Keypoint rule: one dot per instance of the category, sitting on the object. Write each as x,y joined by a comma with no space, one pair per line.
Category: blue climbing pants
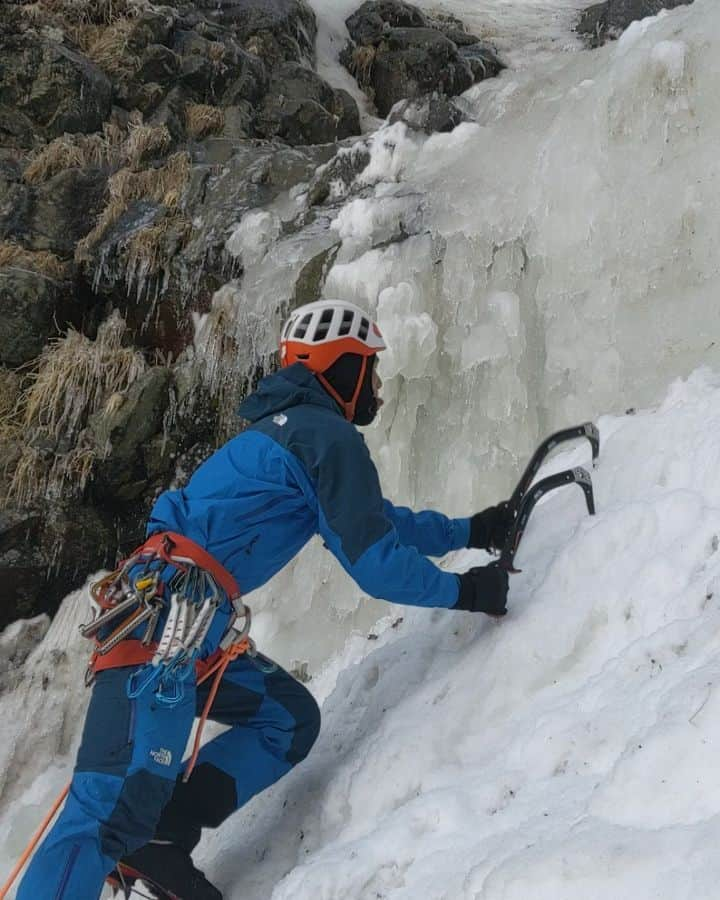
127,789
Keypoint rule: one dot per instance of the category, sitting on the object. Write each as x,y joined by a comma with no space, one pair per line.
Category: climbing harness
124,593
168,574
136,592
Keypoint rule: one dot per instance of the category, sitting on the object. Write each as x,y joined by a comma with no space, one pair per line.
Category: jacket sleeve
431,533
354,524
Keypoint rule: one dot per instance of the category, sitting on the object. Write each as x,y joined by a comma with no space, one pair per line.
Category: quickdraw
140,591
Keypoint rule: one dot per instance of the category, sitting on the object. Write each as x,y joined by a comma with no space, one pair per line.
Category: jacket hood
285,388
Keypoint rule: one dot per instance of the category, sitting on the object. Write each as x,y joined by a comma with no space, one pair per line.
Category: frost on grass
44,262
114,147
164,185
100,29
202,119
76,377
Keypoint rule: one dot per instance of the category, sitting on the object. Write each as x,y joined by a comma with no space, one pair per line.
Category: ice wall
553,258
564,251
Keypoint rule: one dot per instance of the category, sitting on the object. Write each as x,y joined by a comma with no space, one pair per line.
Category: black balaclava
343,375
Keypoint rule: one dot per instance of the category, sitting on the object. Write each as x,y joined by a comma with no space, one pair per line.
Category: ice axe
526,495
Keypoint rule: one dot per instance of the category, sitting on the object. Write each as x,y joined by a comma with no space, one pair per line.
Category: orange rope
35,840
217,669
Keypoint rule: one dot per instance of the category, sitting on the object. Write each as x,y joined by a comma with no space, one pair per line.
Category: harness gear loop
133,597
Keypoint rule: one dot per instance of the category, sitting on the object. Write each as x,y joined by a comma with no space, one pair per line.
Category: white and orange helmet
319,333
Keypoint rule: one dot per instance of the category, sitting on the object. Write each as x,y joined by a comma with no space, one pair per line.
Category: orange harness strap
129,652
167,544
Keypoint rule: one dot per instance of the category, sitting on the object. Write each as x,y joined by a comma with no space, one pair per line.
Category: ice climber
300,468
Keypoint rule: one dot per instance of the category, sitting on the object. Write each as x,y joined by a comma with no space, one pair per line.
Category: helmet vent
346,323
364,328
324,325
302,328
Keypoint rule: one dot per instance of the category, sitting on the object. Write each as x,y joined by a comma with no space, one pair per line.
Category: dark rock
146,97
253,177
159,455
289,166
151,66
171,113
400,53
453,28
158,64
151,26
65,208
246,79
122,434
339,173
275,30
238,121
15,201
219,68
51,87
606,21
410,62
197,73
301,108
376,16
483,60
311,279
17,129
431,113
32,308
45,553
23,569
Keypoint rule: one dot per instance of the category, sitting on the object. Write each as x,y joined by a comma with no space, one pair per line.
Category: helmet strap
348,407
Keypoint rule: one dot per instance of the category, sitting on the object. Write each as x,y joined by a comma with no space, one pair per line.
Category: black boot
169,868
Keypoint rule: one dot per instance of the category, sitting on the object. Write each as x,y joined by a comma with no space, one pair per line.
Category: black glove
489,529
484,589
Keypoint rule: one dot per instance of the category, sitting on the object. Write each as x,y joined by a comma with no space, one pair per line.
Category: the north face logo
162,756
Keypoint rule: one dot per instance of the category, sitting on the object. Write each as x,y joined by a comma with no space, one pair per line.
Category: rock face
31,305
49,89
301,108
397,53
273,29
15,199
62,207
431,113
60,75
140,148
606,21
44,550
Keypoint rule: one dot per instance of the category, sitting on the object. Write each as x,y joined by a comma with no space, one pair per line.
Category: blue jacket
302,469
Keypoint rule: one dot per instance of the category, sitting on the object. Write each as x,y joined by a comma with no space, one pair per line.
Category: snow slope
570,751
549,261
